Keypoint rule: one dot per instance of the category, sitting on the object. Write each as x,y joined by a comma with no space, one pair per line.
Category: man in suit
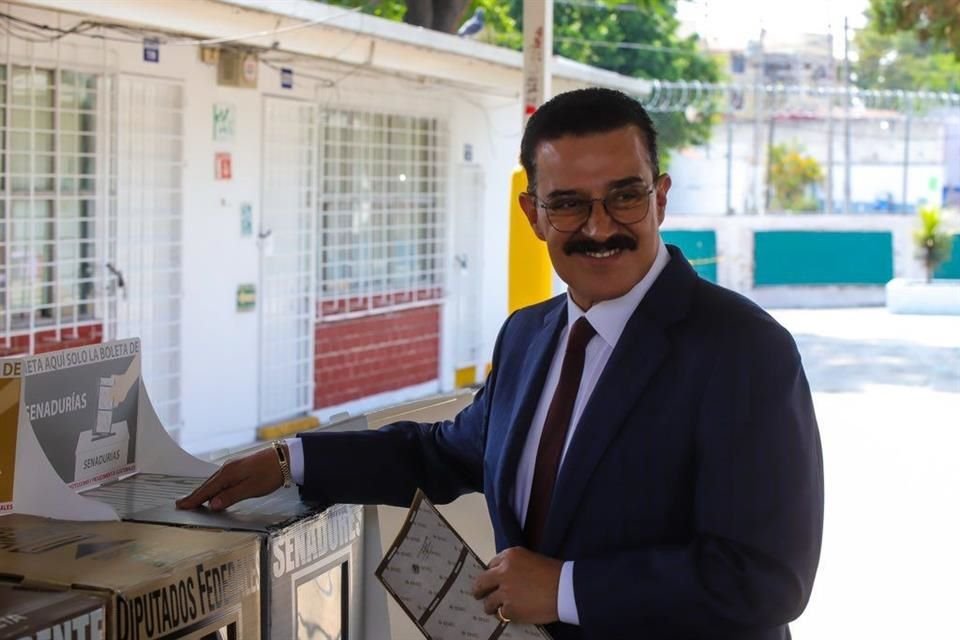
646,442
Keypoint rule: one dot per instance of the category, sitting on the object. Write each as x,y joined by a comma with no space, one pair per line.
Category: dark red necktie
555,429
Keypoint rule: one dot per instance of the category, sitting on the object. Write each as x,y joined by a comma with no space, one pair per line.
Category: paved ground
887,394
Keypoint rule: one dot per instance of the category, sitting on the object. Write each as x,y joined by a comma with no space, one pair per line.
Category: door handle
119,276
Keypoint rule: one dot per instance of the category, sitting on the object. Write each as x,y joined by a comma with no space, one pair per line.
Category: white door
468,217
145,245
287,233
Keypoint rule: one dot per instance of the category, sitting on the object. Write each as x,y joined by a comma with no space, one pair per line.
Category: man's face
604,259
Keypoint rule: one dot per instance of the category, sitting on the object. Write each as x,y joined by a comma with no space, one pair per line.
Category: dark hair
583,112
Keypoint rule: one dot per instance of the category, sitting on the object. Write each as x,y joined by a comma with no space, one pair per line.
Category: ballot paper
430,571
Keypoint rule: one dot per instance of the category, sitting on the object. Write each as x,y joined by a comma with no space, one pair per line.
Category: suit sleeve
758,512
388,465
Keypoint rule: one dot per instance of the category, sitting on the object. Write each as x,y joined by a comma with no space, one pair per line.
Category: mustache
586,245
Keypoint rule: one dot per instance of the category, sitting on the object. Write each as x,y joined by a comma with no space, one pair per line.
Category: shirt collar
609,317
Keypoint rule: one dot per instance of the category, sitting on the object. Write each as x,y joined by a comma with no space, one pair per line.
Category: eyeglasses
626,205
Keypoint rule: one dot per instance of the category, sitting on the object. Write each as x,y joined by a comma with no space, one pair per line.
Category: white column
537,54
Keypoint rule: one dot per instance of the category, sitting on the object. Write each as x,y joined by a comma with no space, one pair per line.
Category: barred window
383,209
48,204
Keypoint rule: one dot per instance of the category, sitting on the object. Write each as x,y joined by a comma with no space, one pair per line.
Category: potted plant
933,243
940,296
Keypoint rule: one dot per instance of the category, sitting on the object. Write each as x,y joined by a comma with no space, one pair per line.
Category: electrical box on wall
209,55
237,69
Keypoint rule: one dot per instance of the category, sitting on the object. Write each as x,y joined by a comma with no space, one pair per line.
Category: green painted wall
700,248
822,258
951,268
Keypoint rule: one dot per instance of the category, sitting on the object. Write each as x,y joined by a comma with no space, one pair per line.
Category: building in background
297,212
788,93
307,212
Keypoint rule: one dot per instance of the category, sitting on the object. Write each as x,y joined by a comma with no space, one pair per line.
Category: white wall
735,266
219,343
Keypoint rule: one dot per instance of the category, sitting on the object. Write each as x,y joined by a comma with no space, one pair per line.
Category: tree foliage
793,175
937,20
902,60
595,33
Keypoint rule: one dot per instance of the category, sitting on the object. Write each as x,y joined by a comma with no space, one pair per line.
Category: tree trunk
419,13
448,14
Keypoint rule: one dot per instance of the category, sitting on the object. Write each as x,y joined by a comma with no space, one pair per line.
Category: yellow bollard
529,272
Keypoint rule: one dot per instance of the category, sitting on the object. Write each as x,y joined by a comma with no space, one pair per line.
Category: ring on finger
504,619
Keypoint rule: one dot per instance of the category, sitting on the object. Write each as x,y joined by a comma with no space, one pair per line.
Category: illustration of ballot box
99,453
158,582
32,614
310,559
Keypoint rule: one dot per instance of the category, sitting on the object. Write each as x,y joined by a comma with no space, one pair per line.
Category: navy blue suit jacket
691,497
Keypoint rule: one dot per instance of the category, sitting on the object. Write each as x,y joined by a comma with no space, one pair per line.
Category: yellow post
529,274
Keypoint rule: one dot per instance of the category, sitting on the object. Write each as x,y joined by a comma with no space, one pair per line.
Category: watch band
284,461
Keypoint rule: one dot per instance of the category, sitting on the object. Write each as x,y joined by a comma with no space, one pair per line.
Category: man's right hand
249,477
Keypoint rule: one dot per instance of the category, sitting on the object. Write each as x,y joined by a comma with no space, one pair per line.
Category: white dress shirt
608,318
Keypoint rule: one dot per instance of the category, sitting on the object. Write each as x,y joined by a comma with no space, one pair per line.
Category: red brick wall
51,340
364,356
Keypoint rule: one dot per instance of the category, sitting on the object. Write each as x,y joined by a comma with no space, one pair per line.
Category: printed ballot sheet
430,571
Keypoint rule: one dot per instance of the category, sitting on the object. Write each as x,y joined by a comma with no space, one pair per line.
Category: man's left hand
522,584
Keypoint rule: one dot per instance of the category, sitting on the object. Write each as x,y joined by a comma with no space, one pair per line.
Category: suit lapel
536,364
638,355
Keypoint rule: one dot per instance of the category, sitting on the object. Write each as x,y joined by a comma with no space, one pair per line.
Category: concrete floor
887,395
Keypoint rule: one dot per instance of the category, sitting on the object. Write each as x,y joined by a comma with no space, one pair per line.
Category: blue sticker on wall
286,78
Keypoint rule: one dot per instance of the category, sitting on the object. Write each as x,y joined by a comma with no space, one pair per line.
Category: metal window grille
288,262
53,203
381,232
145,243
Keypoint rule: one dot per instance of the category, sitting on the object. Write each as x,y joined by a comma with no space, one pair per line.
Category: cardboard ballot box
310,560
29,614
72,420
159,582
90,446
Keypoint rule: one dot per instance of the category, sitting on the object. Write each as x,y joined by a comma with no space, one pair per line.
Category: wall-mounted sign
223,169
246,220
286,78
224,122
468,153
151,50
246,297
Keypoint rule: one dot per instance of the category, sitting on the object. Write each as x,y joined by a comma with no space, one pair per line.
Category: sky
730,24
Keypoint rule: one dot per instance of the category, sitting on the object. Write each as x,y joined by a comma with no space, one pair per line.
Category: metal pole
828,201
846,117
771,137
756,186
529,272
729,153
906,156
537,54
